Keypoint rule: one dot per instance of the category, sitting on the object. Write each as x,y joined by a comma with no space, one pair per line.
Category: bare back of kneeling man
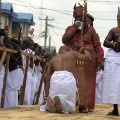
60,83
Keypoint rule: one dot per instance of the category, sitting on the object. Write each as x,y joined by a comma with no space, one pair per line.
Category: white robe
30,82
16,79
99,78
7,103
63,84
16,83
111,78
2,72
38,75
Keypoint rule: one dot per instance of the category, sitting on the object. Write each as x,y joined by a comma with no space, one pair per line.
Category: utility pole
49,42
0,13
46,30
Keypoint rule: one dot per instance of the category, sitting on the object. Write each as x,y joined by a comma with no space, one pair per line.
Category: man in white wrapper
111,75
15,76
14,82
60,83
30,82
38,75
2,71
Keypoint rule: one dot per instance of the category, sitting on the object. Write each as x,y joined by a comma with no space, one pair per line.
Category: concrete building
12,22
24,21
7,13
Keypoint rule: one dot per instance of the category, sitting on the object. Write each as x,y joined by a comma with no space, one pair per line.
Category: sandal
115,113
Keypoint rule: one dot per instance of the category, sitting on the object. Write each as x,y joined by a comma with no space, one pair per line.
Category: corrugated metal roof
24,17
7,8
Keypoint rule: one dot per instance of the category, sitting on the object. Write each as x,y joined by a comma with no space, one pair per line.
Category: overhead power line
66,12
101,1
61,11
37,7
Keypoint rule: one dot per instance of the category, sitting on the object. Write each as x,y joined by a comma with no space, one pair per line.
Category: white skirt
63,84
16,79
111,83
99,78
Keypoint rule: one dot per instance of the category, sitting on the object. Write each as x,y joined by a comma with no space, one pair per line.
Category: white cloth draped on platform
63,84
111,78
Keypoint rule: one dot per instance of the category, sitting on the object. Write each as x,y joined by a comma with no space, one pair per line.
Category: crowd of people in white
16,72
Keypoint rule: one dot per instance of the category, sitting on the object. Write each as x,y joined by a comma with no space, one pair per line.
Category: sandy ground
33,113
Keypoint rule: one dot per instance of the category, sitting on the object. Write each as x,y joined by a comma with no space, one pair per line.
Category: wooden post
0,13
28,55
2,59
6,54
24,81
39,91
40,87
5,50
46,30
49,43
5,79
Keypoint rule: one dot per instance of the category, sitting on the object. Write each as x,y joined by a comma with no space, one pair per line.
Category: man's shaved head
64,48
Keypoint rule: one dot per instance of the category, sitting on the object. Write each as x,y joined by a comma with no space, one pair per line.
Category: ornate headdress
78,10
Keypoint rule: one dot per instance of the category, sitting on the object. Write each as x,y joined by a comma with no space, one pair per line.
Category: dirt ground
33,113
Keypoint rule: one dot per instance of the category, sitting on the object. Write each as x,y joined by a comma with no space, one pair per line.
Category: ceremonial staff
118,21
81,44
40,86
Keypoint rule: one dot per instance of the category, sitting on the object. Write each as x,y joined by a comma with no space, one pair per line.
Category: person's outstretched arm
85,57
